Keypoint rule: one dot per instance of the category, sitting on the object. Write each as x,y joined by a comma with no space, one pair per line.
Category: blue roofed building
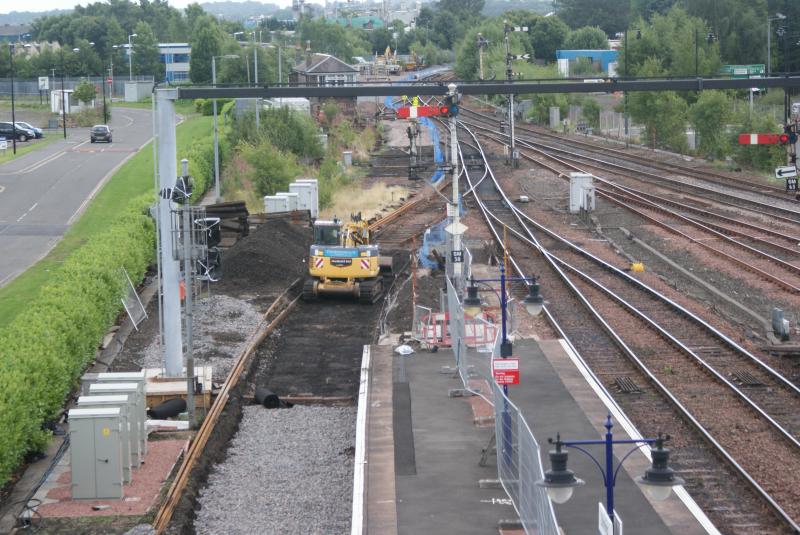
603,57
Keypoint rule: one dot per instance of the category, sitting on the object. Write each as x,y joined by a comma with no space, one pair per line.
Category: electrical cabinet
140,378
96,453
120,401
131,390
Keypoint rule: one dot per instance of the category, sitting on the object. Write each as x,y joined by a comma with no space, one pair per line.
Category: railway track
727,180
303,352
769,254
684,370
775,207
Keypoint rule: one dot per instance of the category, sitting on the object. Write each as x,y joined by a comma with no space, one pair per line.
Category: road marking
36,165
28,212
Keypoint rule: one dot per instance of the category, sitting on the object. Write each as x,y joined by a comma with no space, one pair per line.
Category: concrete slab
556,398
442,494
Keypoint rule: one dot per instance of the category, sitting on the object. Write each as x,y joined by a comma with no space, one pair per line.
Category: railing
519,463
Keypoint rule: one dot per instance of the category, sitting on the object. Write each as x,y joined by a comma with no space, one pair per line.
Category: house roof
14,30
324,64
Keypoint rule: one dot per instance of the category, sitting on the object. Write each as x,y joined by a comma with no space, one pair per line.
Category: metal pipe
170,267
64,103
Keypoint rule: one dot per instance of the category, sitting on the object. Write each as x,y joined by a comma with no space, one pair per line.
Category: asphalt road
43,192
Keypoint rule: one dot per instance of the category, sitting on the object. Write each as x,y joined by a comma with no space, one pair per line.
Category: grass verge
134,178
183,107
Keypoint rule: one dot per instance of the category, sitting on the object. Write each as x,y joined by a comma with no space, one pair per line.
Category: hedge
44,350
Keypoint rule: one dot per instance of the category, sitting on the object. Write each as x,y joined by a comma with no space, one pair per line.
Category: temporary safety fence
519,466
519,463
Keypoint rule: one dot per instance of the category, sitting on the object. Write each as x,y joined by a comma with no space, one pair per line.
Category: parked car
38,132
100,132
23,134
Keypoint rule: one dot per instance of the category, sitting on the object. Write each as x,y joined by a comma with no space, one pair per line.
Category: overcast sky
6,6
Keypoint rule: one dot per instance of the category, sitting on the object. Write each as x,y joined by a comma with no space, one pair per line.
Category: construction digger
342,261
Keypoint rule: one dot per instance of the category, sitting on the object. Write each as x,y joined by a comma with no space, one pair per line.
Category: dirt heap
261,265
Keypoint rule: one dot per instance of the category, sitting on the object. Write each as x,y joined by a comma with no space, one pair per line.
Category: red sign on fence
759,139
506,371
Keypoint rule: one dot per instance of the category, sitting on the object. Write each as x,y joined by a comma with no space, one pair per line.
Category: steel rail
701,174
667,183
631,197
533,242
164,514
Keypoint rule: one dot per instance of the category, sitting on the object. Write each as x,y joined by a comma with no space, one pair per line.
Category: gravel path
287,471
221,327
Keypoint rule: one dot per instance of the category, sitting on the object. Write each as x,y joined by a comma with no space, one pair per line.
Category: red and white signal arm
506,371
760,139
412,112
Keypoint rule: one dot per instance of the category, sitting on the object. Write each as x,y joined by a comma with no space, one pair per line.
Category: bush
268,169
45,348
205,106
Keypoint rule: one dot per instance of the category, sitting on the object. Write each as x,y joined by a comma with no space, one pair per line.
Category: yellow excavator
342,261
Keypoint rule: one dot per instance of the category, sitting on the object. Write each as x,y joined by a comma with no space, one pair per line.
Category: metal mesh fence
519,466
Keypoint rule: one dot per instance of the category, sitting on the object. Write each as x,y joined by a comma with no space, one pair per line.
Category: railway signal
507,28
760,139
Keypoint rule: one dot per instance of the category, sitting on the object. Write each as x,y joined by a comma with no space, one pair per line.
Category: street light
130,57
13,117
64,102
657,481
216,130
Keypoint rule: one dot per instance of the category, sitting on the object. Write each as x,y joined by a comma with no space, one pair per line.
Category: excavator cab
327,232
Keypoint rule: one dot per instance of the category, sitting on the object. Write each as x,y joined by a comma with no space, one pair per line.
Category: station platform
423,449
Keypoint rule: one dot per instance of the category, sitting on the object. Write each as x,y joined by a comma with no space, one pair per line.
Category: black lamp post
533,304
13,117
63,104
657,481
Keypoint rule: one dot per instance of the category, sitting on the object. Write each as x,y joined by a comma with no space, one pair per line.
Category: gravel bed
221,326
287,471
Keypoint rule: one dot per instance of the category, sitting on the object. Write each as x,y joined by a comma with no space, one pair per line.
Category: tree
206,44
663,114
547,36
610,15
146,57
115,36
85,92
587,38
591,112
709,115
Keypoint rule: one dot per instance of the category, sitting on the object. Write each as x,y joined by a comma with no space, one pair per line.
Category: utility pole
510,78
255,72
188,259
482,42
170,266
455,259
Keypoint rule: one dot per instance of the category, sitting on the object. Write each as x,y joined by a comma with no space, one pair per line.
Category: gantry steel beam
488,88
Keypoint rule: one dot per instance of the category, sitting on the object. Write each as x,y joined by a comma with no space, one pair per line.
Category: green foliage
268,169
85,92
287,130
330,109
206,43
671,38
587,38
542,102
331,38
45,348
548,35
762,157
205,106
591,112
709,116
146,58
610,15
331,177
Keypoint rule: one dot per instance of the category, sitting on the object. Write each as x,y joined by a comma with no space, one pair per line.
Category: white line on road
28,212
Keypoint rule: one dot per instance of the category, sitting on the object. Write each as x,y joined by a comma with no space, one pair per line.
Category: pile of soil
428,286
263,264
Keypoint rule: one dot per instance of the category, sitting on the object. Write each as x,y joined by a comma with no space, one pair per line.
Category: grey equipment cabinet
121,401
140,378
95,453
131,390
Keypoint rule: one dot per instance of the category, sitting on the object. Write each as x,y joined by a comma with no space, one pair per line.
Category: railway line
770,254
680,372
771,207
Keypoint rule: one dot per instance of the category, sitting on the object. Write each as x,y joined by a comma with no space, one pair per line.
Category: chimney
298,53
308,51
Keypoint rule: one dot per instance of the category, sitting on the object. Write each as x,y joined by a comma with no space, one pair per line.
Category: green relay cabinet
96,453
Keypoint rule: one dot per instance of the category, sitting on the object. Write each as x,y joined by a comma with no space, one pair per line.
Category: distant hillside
495,8
240,10
26,17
